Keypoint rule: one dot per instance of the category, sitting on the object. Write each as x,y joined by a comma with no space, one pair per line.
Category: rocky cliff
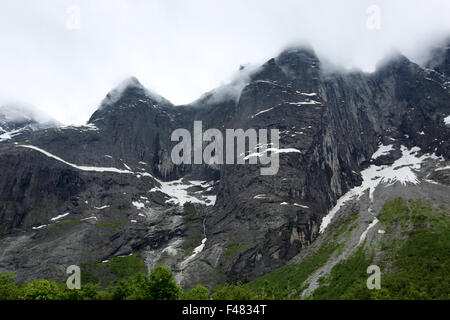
80,195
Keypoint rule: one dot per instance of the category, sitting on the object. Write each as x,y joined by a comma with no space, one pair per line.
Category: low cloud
13,111
65,64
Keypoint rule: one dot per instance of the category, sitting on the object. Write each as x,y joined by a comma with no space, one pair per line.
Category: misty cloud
233,89
132,82
65,63
22,112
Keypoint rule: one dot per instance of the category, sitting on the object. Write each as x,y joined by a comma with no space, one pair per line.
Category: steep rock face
336,121
26,181
111,175
136,126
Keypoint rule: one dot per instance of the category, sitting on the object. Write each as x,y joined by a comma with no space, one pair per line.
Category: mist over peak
133,86
23,112
182,50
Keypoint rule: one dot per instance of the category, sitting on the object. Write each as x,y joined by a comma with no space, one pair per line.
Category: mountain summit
20,119
131,87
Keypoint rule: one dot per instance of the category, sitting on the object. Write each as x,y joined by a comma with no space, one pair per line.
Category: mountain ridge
336,120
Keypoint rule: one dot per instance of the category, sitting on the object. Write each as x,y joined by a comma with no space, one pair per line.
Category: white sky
183,48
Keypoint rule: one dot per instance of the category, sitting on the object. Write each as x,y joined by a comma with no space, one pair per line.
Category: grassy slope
414,257
292,276
118,267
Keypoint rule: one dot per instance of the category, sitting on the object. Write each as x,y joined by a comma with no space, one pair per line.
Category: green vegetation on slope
288,280
413,257
421,255
233,250
118,267
347,280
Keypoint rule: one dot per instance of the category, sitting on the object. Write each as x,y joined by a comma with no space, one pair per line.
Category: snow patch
82,168
259,196
273,150
364,234
301,206
301,103
85,127
312,94
90,126
138,205
402,170
340,202
447,120
177,190
40,227
90,218
60,216
293,204
261,112
431,181
199,249
9,135
382,151
125,165
101,208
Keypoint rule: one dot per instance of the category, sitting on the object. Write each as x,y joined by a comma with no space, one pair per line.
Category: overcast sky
65,63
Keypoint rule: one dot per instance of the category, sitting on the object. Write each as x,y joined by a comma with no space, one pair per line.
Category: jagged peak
131,85
298,62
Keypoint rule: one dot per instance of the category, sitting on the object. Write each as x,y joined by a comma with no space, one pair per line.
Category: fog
65,56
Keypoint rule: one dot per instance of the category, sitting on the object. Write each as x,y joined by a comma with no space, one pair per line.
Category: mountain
349,142
20,119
